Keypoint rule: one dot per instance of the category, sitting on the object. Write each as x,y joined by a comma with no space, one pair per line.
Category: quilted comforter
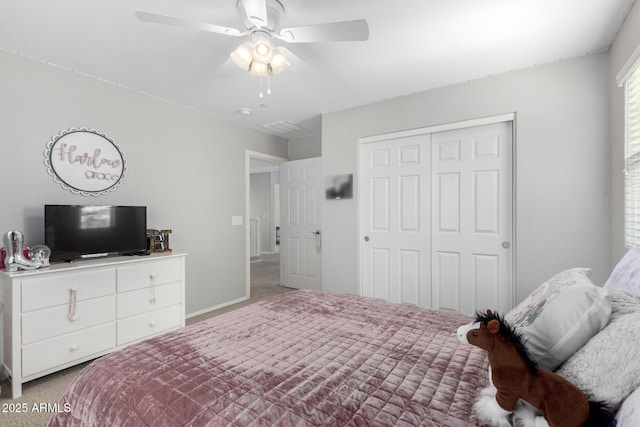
304,358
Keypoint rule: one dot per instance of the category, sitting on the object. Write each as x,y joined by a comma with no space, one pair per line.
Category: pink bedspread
304,358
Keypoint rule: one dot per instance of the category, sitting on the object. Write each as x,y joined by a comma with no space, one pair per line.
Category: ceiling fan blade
256,11
157,18
357,30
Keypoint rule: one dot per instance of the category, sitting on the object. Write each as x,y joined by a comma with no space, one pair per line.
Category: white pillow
560,316
626,274
629,413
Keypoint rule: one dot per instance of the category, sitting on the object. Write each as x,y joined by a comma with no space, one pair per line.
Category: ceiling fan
262,21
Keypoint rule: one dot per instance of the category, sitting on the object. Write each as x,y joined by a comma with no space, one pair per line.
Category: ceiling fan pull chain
261,94
268,84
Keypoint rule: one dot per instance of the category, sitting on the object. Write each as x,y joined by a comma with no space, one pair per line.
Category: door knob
366,238
506,245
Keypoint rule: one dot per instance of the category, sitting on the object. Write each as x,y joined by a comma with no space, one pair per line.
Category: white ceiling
414,45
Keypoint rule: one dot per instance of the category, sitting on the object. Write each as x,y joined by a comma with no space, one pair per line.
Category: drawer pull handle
71,312
152,323
152,285
73,347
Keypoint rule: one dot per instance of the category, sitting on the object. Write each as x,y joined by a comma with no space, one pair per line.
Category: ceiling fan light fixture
278,62
262,51
259,69
243,56
259,57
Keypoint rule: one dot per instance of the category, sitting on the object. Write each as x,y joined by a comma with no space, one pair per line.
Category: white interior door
472,218
396,244
437,218
301,190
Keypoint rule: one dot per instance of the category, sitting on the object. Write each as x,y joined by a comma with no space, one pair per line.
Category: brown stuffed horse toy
516,376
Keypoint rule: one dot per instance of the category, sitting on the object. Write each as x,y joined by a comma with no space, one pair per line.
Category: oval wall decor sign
85,161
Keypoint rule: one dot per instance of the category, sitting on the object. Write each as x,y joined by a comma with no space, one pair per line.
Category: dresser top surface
91,263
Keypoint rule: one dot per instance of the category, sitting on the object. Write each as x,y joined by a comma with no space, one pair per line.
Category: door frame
507,117
276,160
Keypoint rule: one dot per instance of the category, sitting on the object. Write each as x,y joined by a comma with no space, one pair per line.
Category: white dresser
59,316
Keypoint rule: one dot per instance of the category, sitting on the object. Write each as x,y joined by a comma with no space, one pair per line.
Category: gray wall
562,167
305,147
627,41
186,167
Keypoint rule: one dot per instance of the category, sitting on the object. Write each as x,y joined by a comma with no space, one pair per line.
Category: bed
303,358
314,358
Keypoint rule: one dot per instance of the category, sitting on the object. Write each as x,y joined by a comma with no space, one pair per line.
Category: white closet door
436,217
301,191
472,218
396,244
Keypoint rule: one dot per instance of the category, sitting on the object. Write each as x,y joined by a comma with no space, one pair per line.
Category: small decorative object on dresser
158,240
15,257
40,253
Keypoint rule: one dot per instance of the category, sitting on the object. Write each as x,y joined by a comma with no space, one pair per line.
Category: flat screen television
90,231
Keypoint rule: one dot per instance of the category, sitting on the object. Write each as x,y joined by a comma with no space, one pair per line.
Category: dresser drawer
144,274
57,351
54,321
148,324
53,289
148,299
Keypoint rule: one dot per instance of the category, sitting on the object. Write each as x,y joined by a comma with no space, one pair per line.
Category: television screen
77,232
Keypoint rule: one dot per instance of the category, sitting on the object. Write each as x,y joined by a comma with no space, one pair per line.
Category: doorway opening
263,221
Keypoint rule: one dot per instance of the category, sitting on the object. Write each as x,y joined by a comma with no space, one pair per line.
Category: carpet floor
30,410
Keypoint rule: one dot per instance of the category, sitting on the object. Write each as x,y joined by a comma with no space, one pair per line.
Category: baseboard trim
215,307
